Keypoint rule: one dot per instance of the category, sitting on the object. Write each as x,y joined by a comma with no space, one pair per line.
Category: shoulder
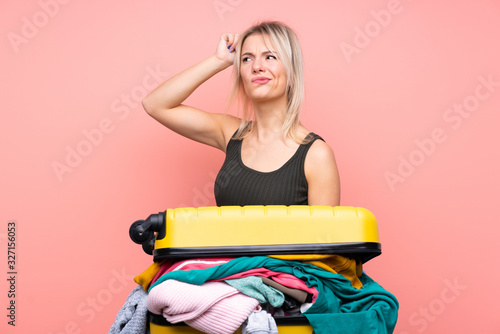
322,175
319,159
228,125
320,151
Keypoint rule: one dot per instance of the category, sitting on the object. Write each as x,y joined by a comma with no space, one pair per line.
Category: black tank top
237,184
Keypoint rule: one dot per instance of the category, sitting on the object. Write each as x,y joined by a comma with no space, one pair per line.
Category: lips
260,80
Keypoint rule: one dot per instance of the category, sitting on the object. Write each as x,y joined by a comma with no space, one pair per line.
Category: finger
234,44
230,43
226,38
235,41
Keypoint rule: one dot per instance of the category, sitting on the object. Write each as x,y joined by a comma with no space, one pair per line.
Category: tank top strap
304,148
233,144
311,138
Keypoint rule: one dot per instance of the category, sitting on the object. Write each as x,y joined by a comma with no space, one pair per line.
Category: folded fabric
131,319
371,308
147,275
299,295
190,264
259,322
213,307
253,286
345,266
194,264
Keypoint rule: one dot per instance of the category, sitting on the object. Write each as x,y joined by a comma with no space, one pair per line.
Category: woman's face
262,74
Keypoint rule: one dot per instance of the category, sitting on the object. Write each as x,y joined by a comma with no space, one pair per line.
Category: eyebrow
265,52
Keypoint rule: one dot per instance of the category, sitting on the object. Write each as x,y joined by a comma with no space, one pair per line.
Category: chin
261,99
264,97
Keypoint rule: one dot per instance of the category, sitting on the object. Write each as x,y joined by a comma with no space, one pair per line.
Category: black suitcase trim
363,250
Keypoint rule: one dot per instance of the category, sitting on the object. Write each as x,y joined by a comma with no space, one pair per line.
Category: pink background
385,80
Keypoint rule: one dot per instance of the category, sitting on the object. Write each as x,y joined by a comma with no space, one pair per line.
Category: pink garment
163,269
213,307
285,279
190,264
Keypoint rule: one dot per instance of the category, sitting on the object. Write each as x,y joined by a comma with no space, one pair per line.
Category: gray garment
259,322
132,318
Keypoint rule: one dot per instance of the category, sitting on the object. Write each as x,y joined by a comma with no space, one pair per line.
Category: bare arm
165,102
322,175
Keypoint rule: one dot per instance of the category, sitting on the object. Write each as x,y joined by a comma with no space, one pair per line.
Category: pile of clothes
220,295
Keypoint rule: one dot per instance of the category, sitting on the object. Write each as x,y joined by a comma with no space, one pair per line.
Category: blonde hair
287,47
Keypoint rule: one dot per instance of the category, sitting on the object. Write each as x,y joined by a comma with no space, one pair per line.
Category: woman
271,158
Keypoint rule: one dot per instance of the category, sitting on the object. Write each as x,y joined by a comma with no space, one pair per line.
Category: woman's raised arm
165,102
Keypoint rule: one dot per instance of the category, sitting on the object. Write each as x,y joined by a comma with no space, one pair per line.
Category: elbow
148,105
153,107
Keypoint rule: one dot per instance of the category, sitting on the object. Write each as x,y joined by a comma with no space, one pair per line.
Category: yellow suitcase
234,231
258,230
293,325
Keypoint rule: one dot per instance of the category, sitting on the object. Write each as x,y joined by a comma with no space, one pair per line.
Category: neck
269,117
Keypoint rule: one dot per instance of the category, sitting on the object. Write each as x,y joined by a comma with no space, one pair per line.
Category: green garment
254,287
339,307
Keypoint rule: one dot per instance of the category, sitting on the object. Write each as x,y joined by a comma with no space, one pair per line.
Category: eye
245,59
271,57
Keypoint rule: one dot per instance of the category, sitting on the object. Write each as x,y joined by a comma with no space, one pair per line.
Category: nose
258,66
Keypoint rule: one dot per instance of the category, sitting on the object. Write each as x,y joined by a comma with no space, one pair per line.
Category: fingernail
229,47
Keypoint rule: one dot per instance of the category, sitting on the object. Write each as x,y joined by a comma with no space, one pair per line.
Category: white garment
304,307
259,322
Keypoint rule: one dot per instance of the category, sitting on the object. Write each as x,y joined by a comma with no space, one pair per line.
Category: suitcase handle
142,231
